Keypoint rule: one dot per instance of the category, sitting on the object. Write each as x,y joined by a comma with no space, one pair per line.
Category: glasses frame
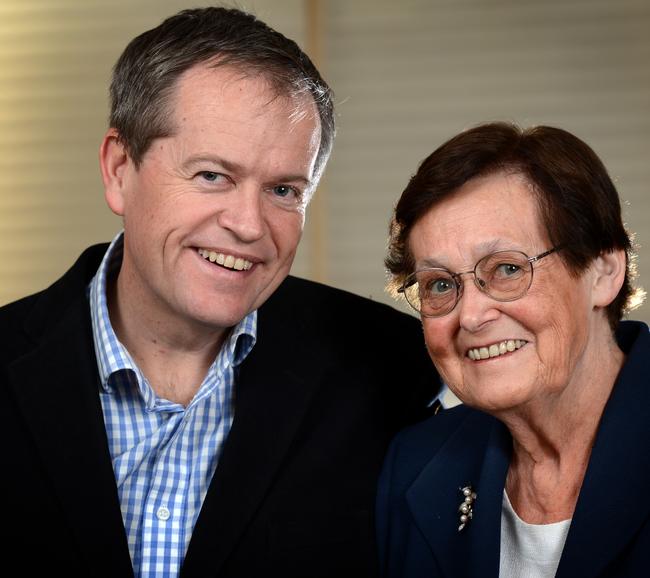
411,280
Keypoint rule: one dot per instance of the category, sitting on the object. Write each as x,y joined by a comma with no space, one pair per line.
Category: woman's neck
553,436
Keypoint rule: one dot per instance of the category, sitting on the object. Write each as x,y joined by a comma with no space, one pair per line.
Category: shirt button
163,513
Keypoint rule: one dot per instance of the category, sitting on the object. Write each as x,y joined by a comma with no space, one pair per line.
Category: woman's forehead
487,214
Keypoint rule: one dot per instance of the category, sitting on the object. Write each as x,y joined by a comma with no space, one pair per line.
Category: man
175,403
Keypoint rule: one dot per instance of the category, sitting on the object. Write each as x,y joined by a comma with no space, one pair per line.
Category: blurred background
407,75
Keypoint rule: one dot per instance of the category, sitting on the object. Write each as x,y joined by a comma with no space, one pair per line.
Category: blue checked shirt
164,454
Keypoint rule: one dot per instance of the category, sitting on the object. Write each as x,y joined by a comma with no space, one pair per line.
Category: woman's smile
497,349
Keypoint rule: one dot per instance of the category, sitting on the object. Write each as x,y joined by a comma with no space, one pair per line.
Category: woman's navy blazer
419,491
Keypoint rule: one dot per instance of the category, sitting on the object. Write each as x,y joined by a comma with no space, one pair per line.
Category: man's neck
174,357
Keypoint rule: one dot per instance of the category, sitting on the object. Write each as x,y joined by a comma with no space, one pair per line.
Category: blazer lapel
478,454
611,506
274,389
484,555
56,387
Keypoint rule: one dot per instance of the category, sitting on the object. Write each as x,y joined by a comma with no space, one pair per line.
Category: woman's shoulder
416,445
443,424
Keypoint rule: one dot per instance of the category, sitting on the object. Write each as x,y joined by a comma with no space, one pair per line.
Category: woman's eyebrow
431,263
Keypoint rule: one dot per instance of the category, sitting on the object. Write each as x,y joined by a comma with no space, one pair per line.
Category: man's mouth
495,349
225,260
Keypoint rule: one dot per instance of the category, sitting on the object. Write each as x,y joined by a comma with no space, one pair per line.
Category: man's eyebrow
236,168
295,179
229,166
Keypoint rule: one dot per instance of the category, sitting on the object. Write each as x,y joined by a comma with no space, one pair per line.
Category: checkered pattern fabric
164,454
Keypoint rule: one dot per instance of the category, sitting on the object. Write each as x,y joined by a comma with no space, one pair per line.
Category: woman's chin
493,398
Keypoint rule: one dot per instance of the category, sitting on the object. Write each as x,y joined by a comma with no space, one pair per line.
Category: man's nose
243,214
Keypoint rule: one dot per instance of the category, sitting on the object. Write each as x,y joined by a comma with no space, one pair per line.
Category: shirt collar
112,356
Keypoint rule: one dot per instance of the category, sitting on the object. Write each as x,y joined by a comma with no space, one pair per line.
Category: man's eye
285,191
210,176
286,196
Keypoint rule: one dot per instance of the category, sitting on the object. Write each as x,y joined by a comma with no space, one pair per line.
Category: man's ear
114,161
609,268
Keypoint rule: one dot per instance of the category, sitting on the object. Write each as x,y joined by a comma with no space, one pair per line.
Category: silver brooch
466,508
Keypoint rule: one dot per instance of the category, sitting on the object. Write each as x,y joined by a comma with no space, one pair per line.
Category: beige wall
408,74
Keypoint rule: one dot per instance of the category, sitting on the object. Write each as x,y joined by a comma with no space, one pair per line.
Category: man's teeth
228,261
495,349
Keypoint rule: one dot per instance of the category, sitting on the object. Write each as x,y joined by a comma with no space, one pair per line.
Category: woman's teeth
495,349
228,261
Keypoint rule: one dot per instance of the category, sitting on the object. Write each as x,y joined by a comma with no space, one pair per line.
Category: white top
447,397
529,550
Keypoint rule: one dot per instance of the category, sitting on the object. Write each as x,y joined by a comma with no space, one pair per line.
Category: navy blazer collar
611,506
435,496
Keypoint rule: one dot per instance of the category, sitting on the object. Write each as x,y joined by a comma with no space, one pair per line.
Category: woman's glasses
504,276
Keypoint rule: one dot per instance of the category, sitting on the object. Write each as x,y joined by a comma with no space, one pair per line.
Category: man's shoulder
341,321
31,315
75,278
325,301
357,342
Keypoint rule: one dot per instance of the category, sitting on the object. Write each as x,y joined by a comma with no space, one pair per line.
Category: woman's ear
114,160
609,268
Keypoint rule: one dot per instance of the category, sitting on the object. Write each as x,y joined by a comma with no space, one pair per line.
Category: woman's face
552,323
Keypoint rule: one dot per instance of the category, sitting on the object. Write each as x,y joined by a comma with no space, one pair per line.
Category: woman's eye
507,269
440,286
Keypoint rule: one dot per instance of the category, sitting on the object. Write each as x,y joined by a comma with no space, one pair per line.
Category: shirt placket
163,539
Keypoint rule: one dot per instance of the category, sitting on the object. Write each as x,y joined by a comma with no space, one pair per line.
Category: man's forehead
212,103
231,96
225,78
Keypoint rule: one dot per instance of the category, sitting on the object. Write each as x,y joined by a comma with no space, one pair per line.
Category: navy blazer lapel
65,418
477,454
274,390
484,555
612,504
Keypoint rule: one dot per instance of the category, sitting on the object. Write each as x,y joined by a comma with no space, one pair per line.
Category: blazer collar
274,390
611,506
56,388
469,457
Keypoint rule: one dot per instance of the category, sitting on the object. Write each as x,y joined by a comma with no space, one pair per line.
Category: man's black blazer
332,377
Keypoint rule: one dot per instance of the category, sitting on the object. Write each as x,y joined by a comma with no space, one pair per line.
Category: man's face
214,213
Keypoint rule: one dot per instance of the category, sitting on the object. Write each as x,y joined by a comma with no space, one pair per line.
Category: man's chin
220,320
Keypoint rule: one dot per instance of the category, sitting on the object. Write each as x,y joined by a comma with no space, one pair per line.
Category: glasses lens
433,293
506,275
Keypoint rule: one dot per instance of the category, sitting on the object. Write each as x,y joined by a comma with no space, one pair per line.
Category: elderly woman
510,246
